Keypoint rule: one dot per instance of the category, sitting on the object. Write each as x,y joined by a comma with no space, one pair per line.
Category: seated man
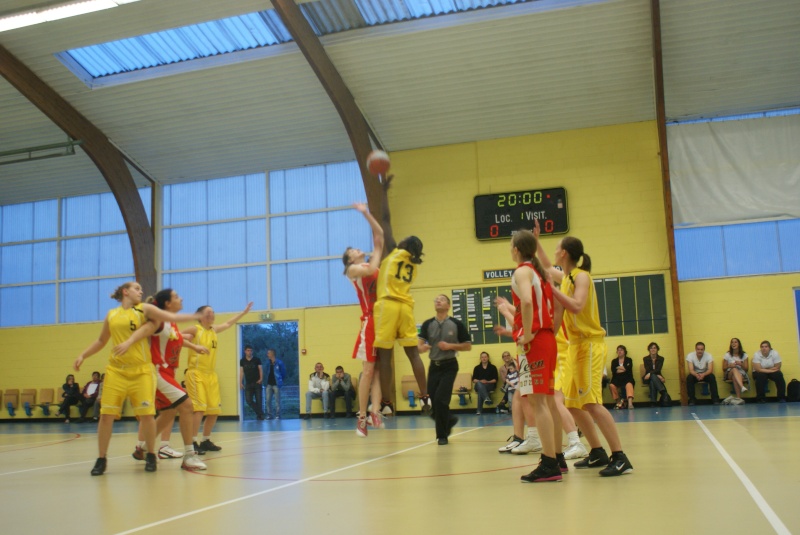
484,379
701,369
767,367
342,385
89,395
319,383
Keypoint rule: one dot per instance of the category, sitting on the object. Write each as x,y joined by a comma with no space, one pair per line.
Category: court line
762,504
42,444
281,487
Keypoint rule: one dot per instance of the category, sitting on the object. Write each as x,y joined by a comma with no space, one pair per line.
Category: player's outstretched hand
77,364
361,207
536,229
387,182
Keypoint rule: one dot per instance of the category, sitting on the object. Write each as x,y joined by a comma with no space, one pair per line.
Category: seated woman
484,379
71,396
653,363
622,381
735,365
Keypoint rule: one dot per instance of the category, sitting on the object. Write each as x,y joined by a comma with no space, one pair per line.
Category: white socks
572,438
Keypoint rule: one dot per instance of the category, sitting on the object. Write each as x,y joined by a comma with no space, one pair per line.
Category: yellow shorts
394,321
203,390
561,364
582,381
137,383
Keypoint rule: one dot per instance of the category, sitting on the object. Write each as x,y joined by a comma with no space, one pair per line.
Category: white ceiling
487,74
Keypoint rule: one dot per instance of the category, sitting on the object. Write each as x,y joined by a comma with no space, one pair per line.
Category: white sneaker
744,389
192,462
737,401
165,452
727,400
576,451
530,445
515,442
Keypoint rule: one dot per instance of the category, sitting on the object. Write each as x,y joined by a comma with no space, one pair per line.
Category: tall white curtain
735,171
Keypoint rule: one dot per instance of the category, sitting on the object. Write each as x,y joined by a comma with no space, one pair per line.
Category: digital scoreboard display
499,215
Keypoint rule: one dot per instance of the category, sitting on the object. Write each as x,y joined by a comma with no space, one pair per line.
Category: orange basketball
378,163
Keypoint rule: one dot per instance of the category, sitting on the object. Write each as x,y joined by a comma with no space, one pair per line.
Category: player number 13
409,269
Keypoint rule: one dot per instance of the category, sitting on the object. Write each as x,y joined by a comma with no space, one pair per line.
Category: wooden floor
705,470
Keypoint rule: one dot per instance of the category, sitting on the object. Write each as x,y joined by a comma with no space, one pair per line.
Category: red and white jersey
542,297
166,345
366,289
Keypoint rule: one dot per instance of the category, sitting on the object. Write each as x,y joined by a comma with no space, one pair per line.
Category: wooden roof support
661,124
105,156
354,122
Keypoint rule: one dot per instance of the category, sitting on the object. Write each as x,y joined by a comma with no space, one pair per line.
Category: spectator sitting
98,402
767,367
89,395
484,379
319,383
503,371
622,381
342,385
653,363
701,369
510,386
71,396
735,366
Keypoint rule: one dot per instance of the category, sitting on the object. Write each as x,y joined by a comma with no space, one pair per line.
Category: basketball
378,162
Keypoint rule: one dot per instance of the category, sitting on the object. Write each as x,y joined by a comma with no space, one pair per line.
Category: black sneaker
442,441
451,423
618,465
198,449
150,463
99,467
547,470
598,458
562,463
207,445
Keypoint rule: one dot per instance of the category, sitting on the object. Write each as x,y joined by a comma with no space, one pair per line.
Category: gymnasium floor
701,469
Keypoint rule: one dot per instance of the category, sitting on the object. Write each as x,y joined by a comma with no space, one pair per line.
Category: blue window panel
256,241
16,307
43,300
192,286
344,184
116,257
306,236
80,215
45,219
348,228
44,261
80,258
166,247
188,247
257,287
166,205
18,222
751,249
279,286
789,238
227,244
307,284
227,289
146,194
277,192
16,265
342,291
188,203
110,214
305,188
277,238
227,199
256,194
699,253
79,301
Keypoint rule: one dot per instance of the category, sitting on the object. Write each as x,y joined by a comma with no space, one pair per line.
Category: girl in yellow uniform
394,309
130,374
581,378
202,383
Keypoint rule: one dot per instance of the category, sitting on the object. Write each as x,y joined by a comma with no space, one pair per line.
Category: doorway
281,336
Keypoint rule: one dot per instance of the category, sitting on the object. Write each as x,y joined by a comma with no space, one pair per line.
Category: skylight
98,64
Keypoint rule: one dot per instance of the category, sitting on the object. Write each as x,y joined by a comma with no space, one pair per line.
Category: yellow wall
613,182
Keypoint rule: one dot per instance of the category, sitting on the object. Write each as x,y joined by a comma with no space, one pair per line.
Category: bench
46,398
28,400
11,400
409,389
462,387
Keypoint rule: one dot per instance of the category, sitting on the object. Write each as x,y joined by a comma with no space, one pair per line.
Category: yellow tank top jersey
121,324
208,339
397,274
585,324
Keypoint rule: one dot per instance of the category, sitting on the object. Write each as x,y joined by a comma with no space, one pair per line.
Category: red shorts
537,364
169,393
363,349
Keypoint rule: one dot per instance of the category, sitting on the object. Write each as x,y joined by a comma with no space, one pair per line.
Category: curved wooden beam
357,128
105,156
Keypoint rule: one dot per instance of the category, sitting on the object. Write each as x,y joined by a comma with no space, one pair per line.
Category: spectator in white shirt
701,370
767,367
89,395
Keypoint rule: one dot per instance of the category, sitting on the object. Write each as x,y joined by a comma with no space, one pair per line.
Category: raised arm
231,322
152,312
94,347
556,274
354,271
388,238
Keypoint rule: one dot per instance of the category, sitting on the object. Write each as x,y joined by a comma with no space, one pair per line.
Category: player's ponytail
117,294
413,245
346,259
574,248
525,242
161,298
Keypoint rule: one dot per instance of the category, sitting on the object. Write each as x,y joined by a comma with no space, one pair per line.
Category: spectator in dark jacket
70,397
622,381
653,363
